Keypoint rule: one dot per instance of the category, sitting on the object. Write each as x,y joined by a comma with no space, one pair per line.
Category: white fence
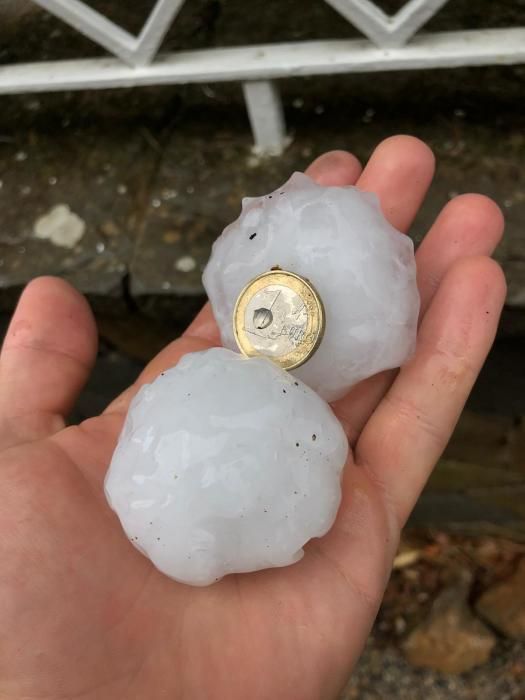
391,43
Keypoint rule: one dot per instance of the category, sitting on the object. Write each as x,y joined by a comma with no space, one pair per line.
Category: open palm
84,615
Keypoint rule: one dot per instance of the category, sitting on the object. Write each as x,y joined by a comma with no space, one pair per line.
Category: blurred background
122,192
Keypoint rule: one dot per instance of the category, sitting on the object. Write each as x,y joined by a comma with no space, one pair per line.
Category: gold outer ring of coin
316,319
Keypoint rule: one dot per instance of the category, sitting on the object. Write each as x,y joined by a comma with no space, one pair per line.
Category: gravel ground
383,674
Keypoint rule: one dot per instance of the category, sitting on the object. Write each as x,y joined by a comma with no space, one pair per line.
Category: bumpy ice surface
362,267
226,464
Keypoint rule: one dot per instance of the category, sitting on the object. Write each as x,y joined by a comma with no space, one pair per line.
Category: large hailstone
226,464
362,267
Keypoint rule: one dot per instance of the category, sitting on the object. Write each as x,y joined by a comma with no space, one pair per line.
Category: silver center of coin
276,319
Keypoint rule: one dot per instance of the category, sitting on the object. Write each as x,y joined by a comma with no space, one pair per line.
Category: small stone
400,625
61,226
451,639
406,558
185,264
503,605
109,228
172,237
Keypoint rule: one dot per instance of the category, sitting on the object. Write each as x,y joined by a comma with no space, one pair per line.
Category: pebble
451,639
503,605
186,264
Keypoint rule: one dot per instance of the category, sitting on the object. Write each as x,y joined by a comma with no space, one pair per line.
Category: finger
399,171
469,225
411,426
48,352
335,168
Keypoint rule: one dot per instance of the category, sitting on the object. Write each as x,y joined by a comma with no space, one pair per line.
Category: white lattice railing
390,44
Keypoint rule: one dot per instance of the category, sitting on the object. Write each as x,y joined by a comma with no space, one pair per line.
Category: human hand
84,615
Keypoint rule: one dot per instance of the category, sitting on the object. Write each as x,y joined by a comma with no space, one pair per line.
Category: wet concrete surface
384,673
156,173
152,193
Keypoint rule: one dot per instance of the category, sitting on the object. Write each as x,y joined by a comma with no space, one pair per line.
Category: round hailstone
226,465
362,267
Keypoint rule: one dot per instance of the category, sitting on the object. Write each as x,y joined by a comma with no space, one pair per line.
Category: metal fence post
265,111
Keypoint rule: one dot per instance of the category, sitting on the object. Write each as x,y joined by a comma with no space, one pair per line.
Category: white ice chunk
362,267
226,464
